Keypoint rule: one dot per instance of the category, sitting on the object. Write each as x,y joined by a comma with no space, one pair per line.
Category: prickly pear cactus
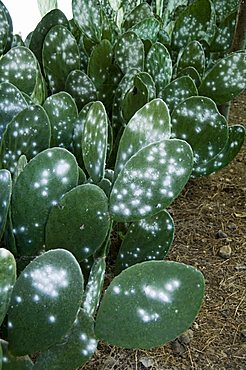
44,303
198,121
60,57
81,88
7,280
95,140
79,226
9,92
5,194
28,133
138,14
76,348
149,124
226,79
62,112
44,180
150,180
192,56
178,90
159,66
236,136
129,52
147,239
149,304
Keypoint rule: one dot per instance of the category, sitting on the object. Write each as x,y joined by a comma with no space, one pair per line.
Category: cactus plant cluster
103,120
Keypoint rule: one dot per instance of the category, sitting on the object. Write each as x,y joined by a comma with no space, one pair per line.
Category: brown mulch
210,214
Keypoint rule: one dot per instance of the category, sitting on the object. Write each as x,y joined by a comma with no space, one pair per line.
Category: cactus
192,56
12,362
44,303
5,195
147,239
7,280
60,57
89,226
28,133
149,303
47,177
6,31
62,112
159,66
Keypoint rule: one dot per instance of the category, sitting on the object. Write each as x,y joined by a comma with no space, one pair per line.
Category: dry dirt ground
210,214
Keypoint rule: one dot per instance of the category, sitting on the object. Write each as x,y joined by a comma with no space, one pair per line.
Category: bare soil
210,214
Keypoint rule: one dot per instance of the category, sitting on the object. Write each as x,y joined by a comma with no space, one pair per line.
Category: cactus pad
5,194
7,280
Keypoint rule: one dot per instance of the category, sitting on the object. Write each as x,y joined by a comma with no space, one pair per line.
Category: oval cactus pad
45,302
7,280
5,194
151,180
79,222
42,183
149,304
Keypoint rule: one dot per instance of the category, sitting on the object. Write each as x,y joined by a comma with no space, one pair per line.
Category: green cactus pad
150,180
149,124
129,52
99,63
5,194
192,56
147,29
198,121
21,164
178,90
60,57
44,180
79,125
74,350
79,222
223,9
7,29
196,22
94,286
53,18
224,34
7,280
9,93
192,73
159,66
62,112
44,303
227,154
148,81
138,14
125,85
88,16
95,140
148,239
28,133
226,79
11,362
150,304
81,88
20,67
134,99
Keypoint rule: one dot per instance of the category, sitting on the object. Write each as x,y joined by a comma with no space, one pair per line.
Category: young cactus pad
62,112
60,56
42,183
79,222
159,66
149,304
226,79
149,124
72,351
151,180
95,140
198,121
147,239
28,133
7,280
5,194
192,56
45,301
9,93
